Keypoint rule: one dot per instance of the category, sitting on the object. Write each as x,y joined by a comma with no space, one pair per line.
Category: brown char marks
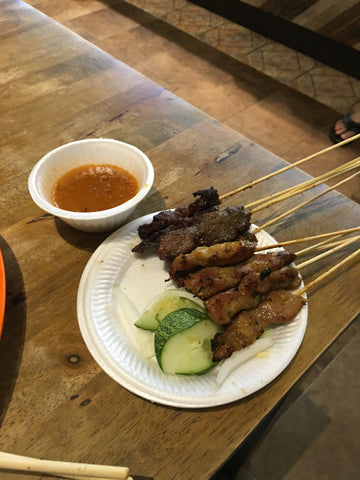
210,228
278,307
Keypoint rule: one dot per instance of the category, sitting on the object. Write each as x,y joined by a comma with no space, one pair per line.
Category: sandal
349,124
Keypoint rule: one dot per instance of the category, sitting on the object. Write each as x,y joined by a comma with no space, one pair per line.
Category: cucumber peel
182,342
166,303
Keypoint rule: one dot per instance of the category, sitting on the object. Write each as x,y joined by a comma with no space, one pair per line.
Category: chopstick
295,164
78,471
82,477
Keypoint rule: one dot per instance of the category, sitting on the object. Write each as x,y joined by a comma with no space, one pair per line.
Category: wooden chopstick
78,471
85,477
303,204
82,477
328,272
308,239
295,164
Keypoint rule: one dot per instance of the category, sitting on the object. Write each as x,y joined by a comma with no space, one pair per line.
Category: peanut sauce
95,187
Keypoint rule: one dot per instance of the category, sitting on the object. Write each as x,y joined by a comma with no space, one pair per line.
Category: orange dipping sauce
95,187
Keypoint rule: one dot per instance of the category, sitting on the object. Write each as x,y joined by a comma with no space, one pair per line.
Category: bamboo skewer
328,272
321,245
318,245
308,239
288,167
335,244
303,204
313,182
79,471
302,187
341,245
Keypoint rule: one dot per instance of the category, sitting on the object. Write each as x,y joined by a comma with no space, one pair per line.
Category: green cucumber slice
183,342
166,303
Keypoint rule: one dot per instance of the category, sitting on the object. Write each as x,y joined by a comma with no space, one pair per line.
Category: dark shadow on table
13,334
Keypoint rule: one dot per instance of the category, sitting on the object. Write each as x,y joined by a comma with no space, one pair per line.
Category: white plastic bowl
100,151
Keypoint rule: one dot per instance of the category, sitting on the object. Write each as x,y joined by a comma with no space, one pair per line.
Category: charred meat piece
279,307
221,308
212,280
206,199
209,228
173,219
209,281
219,254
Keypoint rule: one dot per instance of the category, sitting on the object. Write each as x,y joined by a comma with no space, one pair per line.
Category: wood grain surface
56,402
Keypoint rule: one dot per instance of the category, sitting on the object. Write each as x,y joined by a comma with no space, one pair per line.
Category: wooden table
55,88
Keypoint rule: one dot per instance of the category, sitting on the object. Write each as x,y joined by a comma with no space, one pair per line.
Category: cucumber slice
183,342
166,303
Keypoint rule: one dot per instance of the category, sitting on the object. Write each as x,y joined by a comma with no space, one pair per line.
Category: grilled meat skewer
279,307
212,280
178,218
221,308
209,228
201,223
219,254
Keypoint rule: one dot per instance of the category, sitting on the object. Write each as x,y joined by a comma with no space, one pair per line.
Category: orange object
91,188
2,292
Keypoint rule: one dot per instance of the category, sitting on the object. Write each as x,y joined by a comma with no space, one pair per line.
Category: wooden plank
56,402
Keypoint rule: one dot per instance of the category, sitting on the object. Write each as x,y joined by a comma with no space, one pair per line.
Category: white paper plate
116,286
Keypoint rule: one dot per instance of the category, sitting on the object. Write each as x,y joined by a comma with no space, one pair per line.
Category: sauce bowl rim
61,213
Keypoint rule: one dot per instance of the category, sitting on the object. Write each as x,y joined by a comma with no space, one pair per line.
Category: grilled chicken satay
279,307
209,281
226,253
221,308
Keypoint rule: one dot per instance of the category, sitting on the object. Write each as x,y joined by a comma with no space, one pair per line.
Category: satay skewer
336,248
302,187
324,244
328,273
308,239
303,204
288,167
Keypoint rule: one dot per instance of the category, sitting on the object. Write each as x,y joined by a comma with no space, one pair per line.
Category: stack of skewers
213,253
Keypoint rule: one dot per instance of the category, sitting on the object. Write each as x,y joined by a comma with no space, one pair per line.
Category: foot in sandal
345,128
